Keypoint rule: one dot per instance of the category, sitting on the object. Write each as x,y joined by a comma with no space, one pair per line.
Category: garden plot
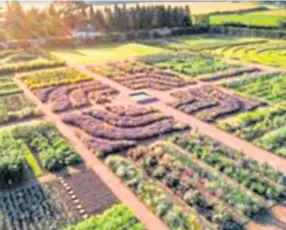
18,60
192,66
77,95
119,127
209,103
93,194
264,126
136,76
116,217
28,148
7,87
270,87
16,107
158,200
37,206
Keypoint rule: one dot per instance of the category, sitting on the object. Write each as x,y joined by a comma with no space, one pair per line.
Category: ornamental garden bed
27,150
135,75
17,107
119,127
263,126
77,95
37,206
209,103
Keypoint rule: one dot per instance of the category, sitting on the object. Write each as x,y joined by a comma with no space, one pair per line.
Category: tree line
60,19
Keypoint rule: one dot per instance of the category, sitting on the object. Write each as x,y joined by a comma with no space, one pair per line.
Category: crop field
135,75
119,127
12,61
209,103
106,53
270,87
259,18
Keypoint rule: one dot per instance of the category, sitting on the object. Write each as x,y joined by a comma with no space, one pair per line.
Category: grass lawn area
261,18
105,53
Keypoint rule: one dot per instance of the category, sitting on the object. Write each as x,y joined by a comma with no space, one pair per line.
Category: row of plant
247,172
209,103
78,95
37,206
135,75
193,66
109,134
269,87
23,146
151,195
8,87
16,107
54,77
32,65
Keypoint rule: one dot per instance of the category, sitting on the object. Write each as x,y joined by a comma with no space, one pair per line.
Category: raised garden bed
77,95
209,103
138,76
119,127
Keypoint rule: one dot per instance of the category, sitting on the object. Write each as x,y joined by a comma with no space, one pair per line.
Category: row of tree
59,19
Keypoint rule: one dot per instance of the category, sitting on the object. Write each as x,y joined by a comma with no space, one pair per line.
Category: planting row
263,180
193,66
154,197
16,107
117,217
209,103
77,95
7,87
37,207
264,126
270,87
23,146
119,127
138,76
56,77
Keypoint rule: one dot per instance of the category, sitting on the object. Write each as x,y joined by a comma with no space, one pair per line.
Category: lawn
262,18
105,53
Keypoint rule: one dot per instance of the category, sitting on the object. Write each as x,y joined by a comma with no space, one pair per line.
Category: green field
262,18
105,53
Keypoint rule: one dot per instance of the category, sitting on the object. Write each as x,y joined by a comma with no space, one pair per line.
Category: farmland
260,18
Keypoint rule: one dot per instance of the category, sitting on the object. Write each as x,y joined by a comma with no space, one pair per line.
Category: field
135,75
105,53
260,18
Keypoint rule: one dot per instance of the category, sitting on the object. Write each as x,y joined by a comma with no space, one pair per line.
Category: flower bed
77,95
152,196
110,131
262,180
209,103
138,76
54,78
7,87
117,217
37,207
16,107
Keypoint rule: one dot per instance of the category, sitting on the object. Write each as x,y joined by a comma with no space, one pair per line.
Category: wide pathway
151,221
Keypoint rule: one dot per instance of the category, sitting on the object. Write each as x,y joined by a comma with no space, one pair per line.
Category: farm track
113,183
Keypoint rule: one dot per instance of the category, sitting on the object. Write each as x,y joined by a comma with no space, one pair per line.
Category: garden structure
87,151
